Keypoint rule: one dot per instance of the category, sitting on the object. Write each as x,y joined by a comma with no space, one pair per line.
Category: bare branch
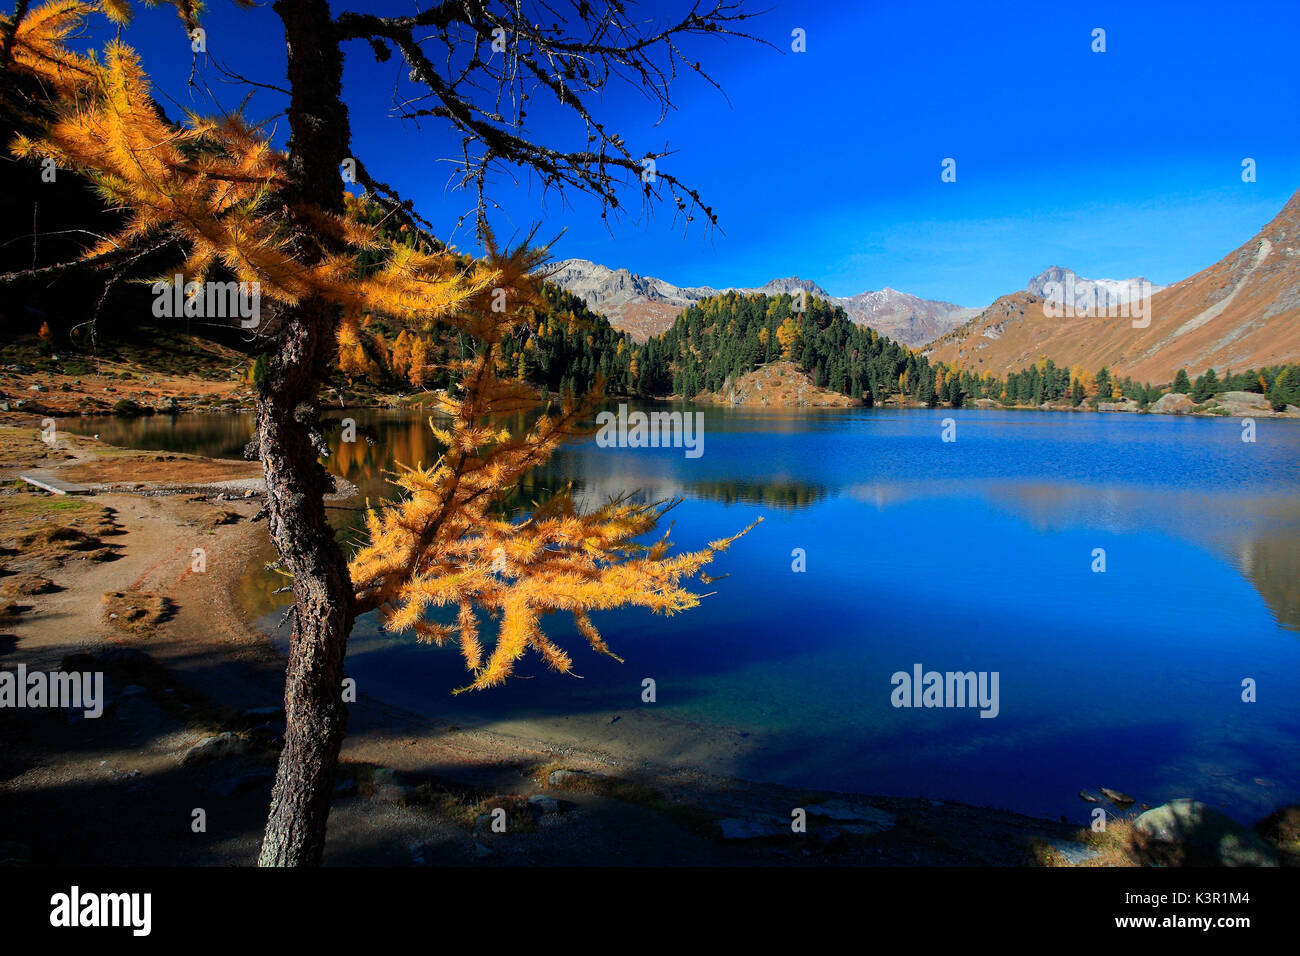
569,62
119,260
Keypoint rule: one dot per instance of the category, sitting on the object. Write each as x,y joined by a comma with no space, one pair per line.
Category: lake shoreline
66,396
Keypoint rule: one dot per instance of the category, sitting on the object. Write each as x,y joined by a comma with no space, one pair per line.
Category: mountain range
1056,284
645,306
1241,312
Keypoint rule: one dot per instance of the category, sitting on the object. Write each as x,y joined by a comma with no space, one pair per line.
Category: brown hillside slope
1241,312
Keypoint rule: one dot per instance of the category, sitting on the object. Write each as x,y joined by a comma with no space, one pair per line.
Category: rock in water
1090,798
1205,832
751,828
1121,800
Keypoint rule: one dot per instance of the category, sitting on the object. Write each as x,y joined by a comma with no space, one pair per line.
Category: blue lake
971,555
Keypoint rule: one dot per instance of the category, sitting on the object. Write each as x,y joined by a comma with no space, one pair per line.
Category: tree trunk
287,438
315,715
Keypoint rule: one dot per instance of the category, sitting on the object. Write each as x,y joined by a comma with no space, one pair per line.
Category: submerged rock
751,828
1206,833
831,833
861,814
1117,797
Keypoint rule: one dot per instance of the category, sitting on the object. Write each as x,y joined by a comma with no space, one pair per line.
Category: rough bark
287,438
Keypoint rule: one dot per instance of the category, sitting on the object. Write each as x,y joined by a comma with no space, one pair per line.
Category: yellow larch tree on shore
239,207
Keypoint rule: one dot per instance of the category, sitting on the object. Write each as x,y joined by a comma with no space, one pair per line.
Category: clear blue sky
826,164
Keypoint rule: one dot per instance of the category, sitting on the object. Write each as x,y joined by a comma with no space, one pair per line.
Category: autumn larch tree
237,206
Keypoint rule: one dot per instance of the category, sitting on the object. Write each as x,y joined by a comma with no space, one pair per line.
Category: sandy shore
125,788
